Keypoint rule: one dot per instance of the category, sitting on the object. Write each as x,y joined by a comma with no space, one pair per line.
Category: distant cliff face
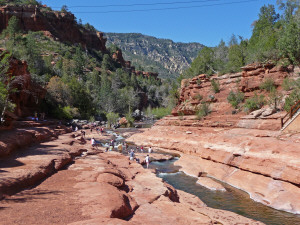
164,56
61,26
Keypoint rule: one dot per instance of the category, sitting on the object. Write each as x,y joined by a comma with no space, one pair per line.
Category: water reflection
232,199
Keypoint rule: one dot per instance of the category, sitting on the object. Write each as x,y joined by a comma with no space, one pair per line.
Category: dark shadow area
28,195
9,163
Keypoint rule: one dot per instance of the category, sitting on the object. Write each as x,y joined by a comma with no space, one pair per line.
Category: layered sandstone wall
28,94
245,151
61,26
263,163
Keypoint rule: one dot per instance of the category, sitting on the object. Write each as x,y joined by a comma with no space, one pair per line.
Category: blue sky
203,21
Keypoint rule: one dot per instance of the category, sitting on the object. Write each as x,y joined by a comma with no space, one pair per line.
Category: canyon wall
54,24
27,95
246,151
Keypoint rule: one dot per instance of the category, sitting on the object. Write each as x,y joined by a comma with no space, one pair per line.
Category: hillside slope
154,54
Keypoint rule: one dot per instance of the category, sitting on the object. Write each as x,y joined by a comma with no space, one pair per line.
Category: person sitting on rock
137,160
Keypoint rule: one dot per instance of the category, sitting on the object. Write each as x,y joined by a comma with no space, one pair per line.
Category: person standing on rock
147,160
142,149
82,133
150,150
131,155
93,142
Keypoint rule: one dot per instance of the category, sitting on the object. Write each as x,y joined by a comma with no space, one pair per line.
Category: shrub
130,119
254,103
66,112
267,85
274,98
160,112
112,118
235,98
294,96
180,114
287,84
92,119
199,97
215,86
203,111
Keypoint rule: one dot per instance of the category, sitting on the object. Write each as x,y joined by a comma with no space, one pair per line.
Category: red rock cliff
61,26
28,94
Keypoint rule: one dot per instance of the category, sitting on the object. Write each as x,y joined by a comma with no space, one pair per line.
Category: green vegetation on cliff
80,82
275,37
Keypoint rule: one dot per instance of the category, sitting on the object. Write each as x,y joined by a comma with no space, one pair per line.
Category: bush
274,98
215,86
203,111
130,119
294,96
199,97
112,118
92,119
235,98
161,112
66,112
287,84
254,103
267,85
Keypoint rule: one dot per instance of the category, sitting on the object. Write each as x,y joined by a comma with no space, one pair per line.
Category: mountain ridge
164,56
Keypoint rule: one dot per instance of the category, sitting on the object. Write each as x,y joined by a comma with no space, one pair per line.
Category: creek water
232,199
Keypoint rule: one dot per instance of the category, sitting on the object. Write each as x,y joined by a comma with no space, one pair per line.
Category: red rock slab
163,211
146,187
104,200
210,184
190,199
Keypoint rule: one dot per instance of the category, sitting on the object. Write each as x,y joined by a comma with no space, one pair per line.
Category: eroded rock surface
263,163
100,188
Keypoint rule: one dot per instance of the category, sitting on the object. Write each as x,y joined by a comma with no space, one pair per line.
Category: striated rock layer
262,163
54,24
245,151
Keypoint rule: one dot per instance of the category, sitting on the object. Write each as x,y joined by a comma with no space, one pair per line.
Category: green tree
64,9
5,87
202,64
12,28
221,57
289,41
262,44
12,32
79,61
107,63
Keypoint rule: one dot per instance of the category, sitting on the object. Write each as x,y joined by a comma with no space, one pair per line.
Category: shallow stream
232,199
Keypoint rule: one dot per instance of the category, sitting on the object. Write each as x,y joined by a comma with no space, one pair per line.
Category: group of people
147,159
38,116
120,146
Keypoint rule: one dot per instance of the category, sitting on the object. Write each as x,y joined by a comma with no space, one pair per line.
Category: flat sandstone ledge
108,189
